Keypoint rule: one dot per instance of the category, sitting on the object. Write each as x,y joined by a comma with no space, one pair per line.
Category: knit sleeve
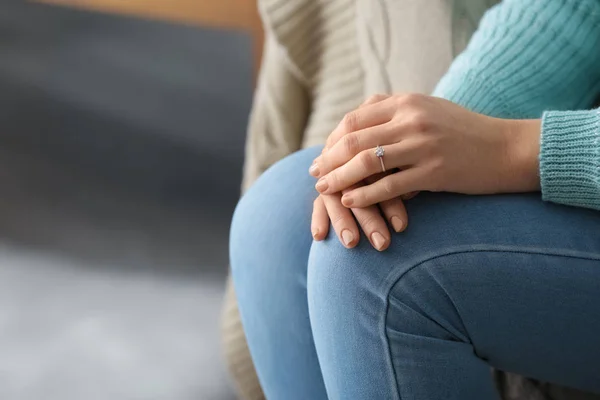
570,158
528,57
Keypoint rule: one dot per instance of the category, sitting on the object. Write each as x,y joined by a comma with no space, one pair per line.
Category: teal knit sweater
540,59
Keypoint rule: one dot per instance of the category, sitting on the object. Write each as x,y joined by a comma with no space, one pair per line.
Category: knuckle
375,98
351,143
388,186
334,181
410,99
337,219
370,223
350,122
419,121
366,161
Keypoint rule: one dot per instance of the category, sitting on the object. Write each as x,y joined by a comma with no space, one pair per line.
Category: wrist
523,151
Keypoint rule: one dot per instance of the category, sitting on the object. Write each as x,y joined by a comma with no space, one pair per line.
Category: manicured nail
347,237
314,170
397,223
322,185
347,200
315,233
378,240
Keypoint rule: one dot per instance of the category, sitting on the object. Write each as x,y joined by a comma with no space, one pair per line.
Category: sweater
540,59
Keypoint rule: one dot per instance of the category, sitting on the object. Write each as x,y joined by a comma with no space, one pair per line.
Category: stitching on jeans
391,281
464,328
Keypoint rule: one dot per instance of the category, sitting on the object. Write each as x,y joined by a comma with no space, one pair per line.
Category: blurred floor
113,214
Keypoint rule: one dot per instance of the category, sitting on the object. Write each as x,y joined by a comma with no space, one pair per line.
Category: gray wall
121,147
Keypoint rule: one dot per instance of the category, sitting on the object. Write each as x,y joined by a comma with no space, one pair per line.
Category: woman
507,281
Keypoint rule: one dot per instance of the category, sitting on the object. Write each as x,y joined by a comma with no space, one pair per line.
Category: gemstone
379,151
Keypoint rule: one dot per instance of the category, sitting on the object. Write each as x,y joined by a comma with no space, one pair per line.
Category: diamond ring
379,152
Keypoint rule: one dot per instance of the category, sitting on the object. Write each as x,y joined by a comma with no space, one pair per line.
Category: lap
509,267
515,277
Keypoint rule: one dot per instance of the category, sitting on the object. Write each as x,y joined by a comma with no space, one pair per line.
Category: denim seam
395,276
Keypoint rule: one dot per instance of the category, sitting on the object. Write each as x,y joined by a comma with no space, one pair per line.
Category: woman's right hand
371,219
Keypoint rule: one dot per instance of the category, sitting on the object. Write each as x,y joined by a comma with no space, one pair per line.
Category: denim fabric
475,281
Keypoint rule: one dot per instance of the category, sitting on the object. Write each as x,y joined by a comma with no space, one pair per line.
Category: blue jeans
475,281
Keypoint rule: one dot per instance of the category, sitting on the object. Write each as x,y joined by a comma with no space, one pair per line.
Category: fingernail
314,170
322,185
347,237
378,240
397,223
315,233
347,200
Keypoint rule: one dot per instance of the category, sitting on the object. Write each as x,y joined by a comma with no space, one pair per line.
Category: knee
344,284
368,287
273,212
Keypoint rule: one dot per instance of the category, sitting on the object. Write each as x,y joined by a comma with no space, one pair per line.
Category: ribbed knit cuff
570,158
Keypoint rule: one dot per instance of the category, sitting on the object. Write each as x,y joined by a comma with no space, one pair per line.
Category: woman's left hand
434,145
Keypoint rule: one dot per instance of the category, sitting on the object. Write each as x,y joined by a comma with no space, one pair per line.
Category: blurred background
122,127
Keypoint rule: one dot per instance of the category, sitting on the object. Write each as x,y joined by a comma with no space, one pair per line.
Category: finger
376,113
386,188
376,98
342,220
392,209
373,225
320,220
395,212
365,164
350,145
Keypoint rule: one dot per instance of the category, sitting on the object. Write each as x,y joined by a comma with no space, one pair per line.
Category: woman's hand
434,145
371,219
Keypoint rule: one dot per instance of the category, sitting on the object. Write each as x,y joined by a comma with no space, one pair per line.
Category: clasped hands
430,144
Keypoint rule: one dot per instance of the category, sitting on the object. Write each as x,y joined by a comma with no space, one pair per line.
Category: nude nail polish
378,240
322,185
347,200
397,223
314,170
347,237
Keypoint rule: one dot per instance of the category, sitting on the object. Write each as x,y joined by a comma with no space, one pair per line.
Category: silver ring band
379,152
